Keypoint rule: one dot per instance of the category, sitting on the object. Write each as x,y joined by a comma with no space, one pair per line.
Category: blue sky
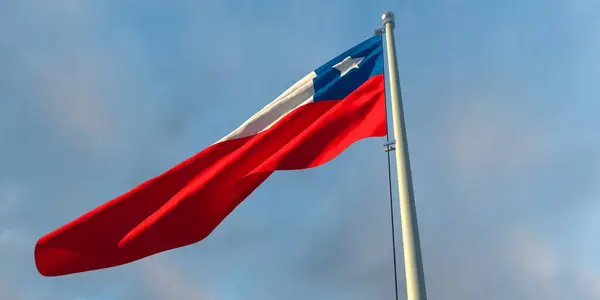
501,100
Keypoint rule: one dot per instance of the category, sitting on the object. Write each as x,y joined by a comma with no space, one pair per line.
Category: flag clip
390,146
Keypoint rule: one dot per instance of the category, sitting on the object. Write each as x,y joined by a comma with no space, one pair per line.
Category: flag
311,123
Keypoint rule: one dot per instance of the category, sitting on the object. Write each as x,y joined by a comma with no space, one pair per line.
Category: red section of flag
185,204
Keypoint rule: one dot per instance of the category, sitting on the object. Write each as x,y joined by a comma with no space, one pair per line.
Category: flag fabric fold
308,125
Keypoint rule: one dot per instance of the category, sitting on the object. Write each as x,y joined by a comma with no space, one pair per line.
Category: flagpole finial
388,17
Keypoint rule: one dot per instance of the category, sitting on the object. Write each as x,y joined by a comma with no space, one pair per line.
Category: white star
348,64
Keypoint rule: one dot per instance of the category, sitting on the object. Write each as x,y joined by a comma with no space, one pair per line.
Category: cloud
63,75
487,221
15,238
6,293
530,253
590,282
73,96
485,135
499,192
547,270
10,197
160,278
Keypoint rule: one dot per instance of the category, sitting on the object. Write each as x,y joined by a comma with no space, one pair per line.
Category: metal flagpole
413,265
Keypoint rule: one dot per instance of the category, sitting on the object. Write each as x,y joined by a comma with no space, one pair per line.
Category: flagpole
413,265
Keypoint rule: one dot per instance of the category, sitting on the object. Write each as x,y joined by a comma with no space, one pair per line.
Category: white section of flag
300,93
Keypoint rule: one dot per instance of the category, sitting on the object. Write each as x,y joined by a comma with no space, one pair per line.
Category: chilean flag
312,122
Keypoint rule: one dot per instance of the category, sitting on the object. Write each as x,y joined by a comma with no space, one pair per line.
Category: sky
501,102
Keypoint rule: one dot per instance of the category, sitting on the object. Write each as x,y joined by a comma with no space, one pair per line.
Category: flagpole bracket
379,31
390,146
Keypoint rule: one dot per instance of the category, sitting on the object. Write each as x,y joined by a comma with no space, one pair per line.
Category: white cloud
10,197
7,293
590,282
166,281
549,272
535,257
482,134
487,239
15,239
74,95
69,77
